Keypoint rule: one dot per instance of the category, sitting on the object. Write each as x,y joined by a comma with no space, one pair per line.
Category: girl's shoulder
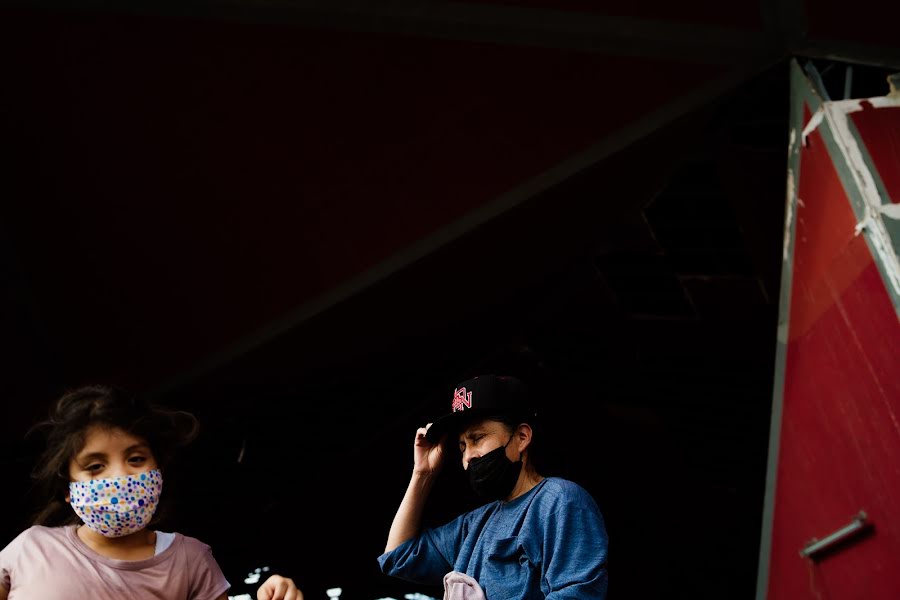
42,533
38,536
198,555
192,545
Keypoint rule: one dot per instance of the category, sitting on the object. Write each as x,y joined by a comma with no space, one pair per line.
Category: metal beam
527,190
850,52
509,25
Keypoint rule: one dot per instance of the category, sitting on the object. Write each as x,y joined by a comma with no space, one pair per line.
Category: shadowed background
306,222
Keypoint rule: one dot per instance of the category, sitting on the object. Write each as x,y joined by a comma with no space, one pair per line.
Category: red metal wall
839,450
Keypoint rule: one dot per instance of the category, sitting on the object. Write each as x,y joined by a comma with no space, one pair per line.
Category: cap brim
441,426
451,423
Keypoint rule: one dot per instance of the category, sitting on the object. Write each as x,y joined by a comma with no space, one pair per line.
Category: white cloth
459,586
163,541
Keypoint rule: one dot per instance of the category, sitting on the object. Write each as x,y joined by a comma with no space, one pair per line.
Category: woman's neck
134,546
528,478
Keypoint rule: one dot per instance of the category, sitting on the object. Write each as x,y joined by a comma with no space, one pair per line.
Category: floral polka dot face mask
119,505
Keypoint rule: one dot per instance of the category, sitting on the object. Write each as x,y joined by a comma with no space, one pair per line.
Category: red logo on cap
461,399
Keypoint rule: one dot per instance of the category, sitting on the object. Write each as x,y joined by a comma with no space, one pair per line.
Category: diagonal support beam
511,25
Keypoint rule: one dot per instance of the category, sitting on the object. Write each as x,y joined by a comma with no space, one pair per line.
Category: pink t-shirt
52,563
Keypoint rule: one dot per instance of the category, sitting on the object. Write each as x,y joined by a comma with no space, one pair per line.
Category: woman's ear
523,436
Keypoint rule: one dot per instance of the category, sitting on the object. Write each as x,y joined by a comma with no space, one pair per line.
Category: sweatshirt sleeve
575,546
427,557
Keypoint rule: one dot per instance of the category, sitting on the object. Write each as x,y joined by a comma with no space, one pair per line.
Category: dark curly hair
163,429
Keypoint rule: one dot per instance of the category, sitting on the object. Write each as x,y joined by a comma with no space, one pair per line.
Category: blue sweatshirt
548,543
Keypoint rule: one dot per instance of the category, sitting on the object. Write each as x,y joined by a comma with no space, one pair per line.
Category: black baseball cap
481,397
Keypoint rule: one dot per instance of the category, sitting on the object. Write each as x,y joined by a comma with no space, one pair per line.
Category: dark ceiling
307,221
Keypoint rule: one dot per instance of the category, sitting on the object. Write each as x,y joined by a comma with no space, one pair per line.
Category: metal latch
816,546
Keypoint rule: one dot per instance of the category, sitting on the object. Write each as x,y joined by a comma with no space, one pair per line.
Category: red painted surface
840,438
225,174
879,129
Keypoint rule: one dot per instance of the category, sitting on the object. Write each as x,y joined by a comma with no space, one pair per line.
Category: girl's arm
4,593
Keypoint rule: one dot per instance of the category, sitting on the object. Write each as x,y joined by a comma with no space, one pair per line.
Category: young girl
102,472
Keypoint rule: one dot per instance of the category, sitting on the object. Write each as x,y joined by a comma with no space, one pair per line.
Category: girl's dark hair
164,430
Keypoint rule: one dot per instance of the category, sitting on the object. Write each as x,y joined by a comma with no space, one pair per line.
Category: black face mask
493,475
